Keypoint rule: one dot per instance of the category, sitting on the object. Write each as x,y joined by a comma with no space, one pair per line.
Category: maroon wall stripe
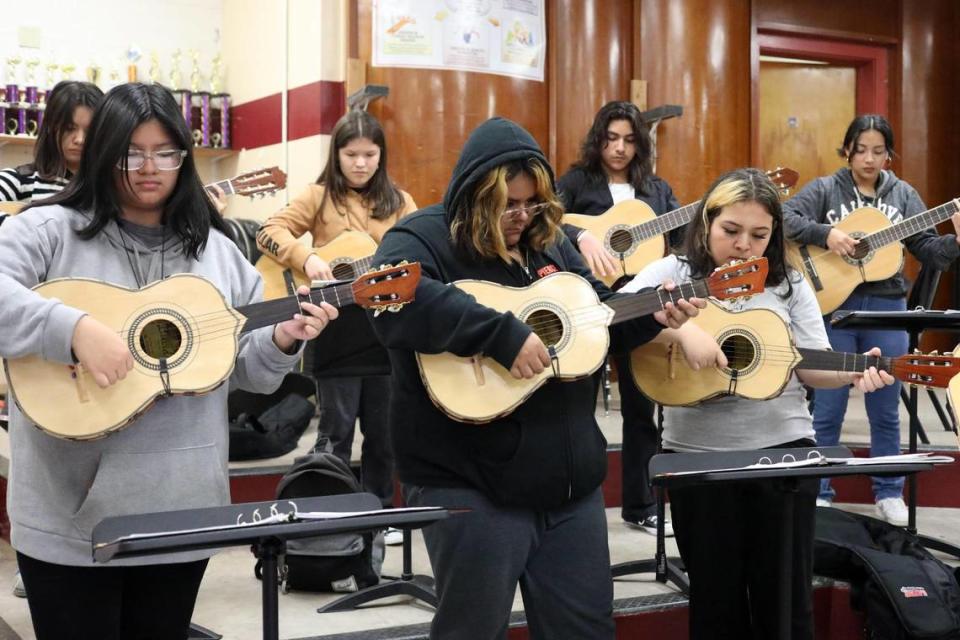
312,109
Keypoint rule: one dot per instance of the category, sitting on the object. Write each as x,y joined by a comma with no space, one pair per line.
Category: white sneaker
894,511
393,537
18,588
824,502
649,525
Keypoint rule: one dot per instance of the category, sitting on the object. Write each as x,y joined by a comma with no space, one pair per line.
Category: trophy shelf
210,153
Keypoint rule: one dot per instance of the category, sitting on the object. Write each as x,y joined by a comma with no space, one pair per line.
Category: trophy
12,102
181,95
94,73
31,107
200,104
68,70
219,108
154,73
133,54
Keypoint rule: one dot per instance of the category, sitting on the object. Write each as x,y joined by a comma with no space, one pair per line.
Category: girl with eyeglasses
727,533
354,193
530,479
867,181
59,144
616,164
134,213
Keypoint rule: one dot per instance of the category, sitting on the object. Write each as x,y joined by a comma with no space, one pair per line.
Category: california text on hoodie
829,199
174,456
550,449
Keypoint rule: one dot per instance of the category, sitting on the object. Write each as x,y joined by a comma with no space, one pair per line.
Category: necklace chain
133,268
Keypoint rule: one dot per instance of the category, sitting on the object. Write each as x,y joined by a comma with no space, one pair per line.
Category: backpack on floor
270,425
339,563
904,591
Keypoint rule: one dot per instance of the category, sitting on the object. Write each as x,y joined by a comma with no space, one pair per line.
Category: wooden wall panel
429,114
696,54
875,19
590,64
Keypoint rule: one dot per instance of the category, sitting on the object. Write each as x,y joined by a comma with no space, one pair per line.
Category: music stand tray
913,322
219,527
685,469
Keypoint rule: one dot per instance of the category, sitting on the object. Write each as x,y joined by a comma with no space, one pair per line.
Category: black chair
921,296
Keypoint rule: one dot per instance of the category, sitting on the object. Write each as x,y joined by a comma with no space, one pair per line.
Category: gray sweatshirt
826,201
174,456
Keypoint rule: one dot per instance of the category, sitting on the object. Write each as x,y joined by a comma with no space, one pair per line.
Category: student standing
809,216
135,213
726,532
615,165
531,479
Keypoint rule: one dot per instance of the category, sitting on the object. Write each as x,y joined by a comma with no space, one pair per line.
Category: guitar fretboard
226,185
264,314
912,225
644,304
664,224
840,361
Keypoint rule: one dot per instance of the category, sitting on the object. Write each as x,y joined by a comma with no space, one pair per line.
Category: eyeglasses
530,209
164,160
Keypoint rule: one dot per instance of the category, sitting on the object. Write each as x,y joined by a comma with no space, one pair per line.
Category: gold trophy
181,95
68,70
11,106
199,104
31,109
94,73
133,55
154,72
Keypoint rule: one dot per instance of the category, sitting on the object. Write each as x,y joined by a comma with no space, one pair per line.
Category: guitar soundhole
343,271
621,241
547,326
160,339
739,351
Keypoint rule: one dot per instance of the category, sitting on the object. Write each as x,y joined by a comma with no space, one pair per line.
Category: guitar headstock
260,182
930,370
388,288
740,278
783,178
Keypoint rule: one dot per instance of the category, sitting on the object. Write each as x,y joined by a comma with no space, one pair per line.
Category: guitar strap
810,269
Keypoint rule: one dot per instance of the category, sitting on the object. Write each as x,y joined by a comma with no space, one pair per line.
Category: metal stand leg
408,584
267,551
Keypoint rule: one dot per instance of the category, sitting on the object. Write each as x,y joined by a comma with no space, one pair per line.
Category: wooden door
804,111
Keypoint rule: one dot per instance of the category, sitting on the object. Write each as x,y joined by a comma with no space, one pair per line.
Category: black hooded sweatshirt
550,449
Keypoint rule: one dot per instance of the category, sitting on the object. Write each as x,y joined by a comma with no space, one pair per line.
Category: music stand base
201,633
674,573
416,586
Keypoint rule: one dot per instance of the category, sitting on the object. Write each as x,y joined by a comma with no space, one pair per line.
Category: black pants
729,538
153,602
640,442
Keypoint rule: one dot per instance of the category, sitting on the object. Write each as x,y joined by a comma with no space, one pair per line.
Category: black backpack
267,426
244,233
903,590
340,563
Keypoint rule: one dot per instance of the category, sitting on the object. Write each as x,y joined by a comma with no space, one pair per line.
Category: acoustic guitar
761,357
257,183
565,312
184,339
635,236
878,255
349,255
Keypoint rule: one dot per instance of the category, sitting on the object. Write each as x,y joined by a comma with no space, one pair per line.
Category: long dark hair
866,122
740,185
188,212
62,100
591,160
380,195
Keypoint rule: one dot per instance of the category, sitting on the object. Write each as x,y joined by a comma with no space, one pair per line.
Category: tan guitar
879,254
349,254
564,311
635,236
11,208
761,357
258,183
183,337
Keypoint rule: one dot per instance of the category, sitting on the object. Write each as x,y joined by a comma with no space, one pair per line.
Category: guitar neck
264,314
912,225
838,361
664,224
226,185
643,304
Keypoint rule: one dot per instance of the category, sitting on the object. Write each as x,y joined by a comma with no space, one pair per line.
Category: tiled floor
229,600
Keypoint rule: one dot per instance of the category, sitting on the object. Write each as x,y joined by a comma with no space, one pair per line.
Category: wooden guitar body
348,256
612,228
183,318
563,310
834,278
758,346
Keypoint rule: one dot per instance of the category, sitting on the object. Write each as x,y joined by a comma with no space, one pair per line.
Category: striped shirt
17,184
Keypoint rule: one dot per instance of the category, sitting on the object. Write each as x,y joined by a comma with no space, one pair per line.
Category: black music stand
913,322
728,466
176,531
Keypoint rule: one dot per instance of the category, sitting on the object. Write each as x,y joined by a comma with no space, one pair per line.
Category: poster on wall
505,37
